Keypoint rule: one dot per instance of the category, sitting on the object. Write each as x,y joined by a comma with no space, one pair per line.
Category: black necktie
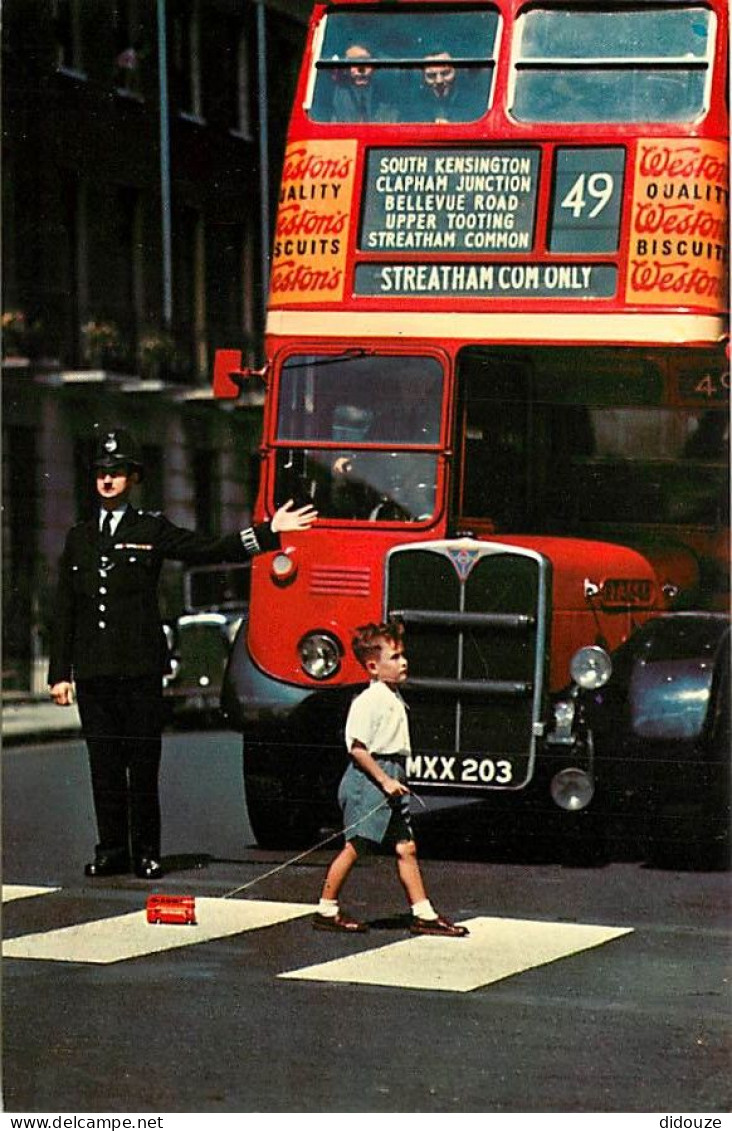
107,526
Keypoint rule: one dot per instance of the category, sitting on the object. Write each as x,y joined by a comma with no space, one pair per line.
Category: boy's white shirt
378,720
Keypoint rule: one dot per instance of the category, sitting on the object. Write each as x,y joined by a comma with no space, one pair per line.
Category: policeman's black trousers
122,722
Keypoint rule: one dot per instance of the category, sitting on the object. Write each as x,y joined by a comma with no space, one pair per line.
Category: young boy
373,793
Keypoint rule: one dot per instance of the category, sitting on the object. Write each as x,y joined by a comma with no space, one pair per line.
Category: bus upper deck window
399,66
648,63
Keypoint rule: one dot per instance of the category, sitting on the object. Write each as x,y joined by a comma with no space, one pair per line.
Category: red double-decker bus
497,365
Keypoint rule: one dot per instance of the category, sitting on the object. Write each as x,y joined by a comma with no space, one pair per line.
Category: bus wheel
277,819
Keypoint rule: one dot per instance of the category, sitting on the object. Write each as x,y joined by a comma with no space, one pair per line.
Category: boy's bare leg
339,871
329,916
425,920
409,871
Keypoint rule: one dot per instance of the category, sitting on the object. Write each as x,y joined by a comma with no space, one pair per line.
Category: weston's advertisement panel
620,227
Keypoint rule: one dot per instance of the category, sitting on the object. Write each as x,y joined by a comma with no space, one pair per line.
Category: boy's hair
368,639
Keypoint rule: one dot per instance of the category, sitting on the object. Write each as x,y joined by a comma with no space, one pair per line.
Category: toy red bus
496,363
179,909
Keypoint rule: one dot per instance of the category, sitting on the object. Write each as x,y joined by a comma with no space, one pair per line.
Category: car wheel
696,837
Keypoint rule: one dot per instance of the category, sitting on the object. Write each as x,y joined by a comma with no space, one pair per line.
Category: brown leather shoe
439,926
339,922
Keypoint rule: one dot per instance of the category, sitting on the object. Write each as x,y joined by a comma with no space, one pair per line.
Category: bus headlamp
320,655
591,667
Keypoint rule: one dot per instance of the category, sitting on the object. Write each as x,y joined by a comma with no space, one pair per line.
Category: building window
20,559
229,290
238,79
189,278
243,88
67,32
152,489
85,493
251,295
130,296
74,301
130,48
206,491
186,60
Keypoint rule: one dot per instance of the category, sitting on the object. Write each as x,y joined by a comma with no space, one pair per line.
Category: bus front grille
345,581
475,617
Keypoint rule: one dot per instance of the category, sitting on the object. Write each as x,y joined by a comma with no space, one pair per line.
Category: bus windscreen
352,433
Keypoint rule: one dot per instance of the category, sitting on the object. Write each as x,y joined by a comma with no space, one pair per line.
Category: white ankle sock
328,907
424,910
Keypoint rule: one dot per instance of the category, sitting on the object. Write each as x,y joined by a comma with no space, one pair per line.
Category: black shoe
108,864
147,868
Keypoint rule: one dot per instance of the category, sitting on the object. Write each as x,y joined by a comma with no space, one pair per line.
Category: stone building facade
135,237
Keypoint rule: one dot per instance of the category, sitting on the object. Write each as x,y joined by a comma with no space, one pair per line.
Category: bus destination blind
483,201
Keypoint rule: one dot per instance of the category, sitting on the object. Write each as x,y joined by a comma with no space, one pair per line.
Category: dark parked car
216,602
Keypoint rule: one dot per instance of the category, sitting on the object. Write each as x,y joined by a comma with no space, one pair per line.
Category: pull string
315,847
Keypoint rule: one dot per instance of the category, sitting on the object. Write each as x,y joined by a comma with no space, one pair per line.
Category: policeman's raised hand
286,519
62,693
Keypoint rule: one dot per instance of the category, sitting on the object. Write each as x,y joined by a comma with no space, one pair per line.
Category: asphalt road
579,990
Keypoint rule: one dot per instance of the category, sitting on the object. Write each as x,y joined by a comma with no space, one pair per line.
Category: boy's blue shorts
368,814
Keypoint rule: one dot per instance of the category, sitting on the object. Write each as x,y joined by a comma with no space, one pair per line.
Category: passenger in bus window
357,97
446,96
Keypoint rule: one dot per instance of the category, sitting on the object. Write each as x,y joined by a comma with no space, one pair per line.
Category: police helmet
114,450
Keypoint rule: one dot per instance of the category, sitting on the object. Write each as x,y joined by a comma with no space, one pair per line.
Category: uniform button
102,590
102,573
102,608
102,624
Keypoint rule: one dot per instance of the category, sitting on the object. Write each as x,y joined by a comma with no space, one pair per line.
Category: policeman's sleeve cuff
259,539
249,541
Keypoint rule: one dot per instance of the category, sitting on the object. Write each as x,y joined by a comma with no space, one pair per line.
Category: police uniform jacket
107,619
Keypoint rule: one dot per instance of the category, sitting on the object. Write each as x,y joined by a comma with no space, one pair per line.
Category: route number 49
712,385
592,191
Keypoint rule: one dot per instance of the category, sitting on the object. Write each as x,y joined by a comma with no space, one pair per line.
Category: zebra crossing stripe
122,937
495,949
22,891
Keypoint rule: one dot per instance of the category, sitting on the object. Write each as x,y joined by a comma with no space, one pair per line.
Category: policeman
107,638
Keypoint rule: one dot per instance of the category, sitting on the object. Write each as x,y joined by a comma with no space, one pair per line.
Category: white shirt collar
116,515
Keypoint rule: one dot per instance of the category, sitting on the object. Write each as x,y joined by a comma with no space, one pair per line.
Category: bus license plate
450,769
